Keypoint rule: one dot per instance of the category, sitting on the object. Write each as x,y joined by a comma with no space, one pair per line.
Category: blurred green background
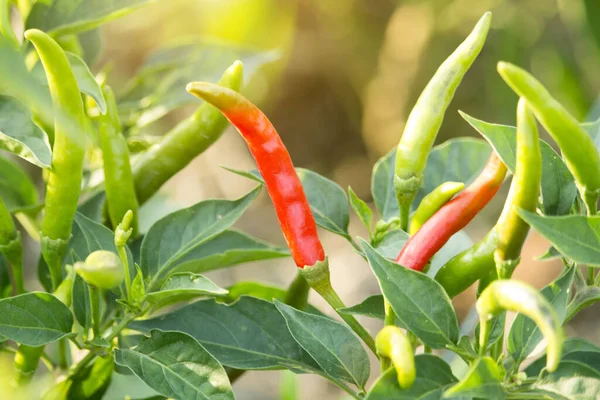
348,74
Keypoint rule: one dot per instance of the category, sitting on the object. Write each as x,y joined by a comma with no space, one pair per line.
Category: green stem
484,335
125,261
63,359
297,293
26,362
95,307
590,276
29,223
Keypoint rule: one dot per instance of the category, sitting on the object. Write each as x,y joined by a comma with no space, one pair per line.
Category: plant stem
95,308
125,261
63,359
30,225
297,293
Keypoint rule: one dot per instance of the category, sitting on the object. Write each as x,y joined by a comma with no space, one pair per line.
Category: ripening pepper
394,345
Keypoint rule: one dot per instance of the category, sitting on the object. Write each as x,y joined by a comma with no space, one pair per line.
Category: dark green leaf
81,303
371,307
382,186
138,288
558,186
420,303
5,283
61,17
496,330
249,334
432,375
483,380
331,344
524,334
392,242
157,87
85,80
177,366
177,237
585,297
20,135
184,287
575,236
362,209
550,254
572,379
34,319
571,345
92,382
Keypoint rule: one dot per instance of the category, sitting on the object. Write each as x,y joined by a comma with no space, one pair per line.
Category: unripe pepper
577,147
11,247
517,296
453,216
501,247
64,180
275,165
102,269
120,190
285,190
184,142
393,344
432,203
427,115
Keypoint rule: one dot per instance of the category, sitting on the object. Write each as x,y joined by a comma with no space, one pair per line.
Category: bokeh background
348,74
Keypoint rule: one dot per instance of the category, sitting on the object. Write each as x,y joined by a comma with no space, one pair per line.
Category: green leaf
184,287
20,135
128,385
175,238
572,379
327,200
458,160
92,382
558,186
62,17
420,303
81,303
572,345
575,236
524,334
85,80
249,334
392,242
372,307
362,209
17,190
497,328
138,288
585,297
177,366
483,380
432,375
157,88
34,319
331,344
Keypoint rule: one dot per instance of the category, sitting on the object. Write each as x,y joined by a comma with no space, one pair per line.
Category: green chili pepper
393,344
523,193
120,189
576,145
11,247
517,296
427,115
64,181
183,143
102,269
464,269
433,202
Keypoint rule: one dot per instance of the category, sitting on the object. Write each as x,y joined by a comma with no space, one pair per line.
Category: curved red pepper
453,216
275,165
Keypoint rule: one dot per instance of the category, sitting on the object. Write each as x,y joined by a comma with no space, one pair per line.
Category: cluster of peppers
442,213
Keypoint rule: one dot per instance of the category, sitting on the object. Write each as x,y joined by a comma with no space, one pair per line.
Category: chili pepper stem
95,306
484,333
13,251
318,278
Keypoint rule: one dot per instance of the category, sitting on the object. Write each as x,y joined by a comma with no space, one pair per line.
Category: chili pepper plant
119,301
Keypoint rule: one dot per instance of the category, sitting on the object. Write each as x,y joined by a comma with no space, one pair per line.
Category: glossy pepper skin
576,145
453,216
393,344
120,190
427,115
64,181
524,192
275,165
432,203
184,142
517,296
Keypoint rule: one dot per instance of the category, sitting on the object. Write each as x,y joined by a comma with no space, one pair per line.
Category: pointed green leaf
93,381
574,349
174,239
585,297
20,135
575,236
371,307
420,303
176,365
362,209
484,379
558,186
331,344
572,379
184,287
34,319
249,334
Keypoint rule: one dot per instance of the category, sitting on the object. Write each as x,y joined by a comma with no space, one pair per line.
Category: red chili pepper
275,165
453,216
